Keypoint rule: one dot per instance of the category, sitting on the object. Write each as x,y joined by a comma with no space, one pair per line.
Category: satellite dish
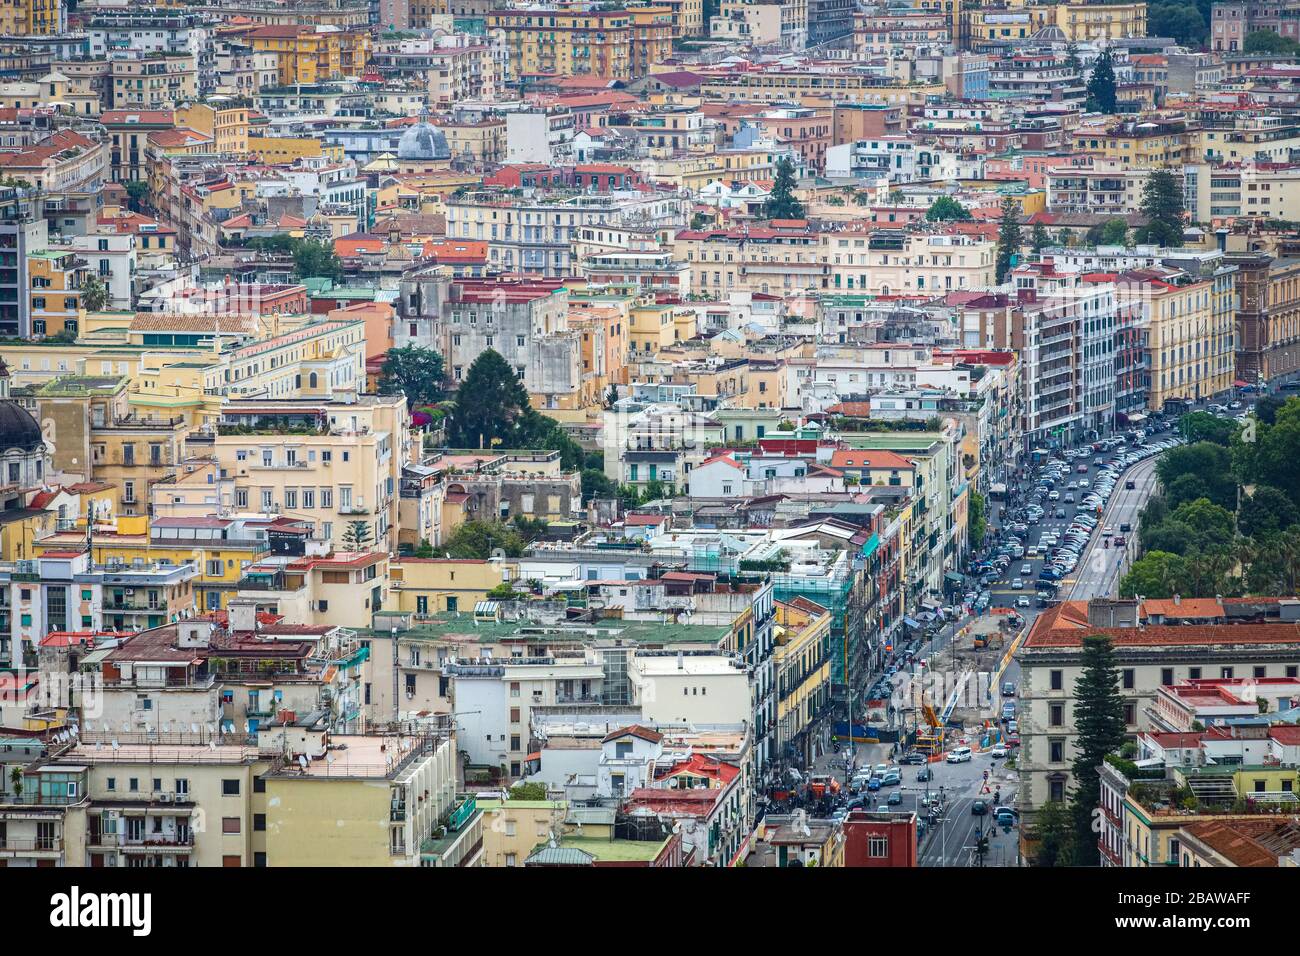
329,758
194,728
115,744
248,728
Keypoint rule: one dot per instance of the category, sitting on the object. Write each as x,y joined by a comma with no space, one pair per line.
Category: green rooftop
616,851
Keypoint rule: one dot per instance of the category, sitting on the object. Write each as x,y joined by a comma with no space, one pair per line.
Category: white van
959,755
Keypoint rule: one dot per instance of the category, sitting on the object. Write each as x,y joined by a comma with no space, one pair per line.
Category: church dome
18,429
421,143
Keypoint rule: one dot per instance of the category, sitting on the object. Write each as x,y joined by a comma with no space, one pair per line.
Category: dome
18,429
421,143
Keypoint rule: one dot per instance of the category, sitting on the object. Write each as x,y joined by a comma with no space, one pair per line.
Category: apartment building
312,54
1154,648
1268,317
1148,142
337,464
779,257
892,262
618,44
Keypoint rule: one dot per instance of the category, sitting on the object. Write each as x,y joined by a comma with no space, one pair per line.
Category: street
951,842
1100,568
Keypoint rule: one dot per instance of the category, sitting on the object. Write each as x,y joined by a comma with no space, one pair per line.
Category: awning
1239,383
911,623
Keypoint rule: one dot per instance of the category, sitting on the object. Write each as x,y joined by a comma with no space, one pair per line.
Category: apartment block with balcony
42,808
336,464
341,589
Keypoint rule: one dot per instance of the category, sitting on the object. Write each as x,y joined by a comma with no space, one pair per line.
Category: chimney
242,616
681,661
1178,599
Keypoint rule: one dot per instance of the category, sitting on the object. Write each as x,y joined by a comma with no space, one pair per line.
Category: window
878,847
1193,673
1056,751
230,824
230,788
259,822
1225,672
1056,715
1058,680
259,785
1130,713
111,783
1127,677
1166,676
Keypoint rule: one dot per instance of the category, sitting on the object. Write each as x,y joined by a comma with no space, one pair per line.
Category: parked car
959,755
924,775
914,757
895,798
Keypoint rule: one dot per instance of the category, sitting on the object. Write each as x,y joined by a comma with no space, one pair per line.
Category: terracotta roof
870,459
1066,625
635,730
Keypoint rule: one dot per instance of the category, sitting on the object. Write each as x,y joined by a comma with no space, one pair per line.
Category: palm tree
1288,545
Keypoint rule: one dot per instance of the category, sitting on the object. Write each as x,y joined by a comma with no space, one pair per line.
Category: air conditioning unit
165,797
183,798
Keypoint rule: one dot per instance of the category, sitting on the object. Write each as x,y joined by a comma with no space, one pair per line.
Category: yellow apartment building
288,149
1146,142
55,278
1190,335
802,669
153,81
332,463
425,586
228,128
512,829
32,18
308,54
619,44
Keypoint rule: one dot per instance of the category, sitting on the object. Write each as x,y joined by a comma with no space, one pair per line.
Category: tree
1210,462
1039,238
1182,21
1202,426
1266,41
137,195
1271,458
1072,59
1267,407
356,536
1162,205
977,519
1101,85
312,259
1008,238
1112,232
1053,835
1266,511
1210,524
489,403
947,209
414,372
425,550
1099,723
480,540
94,294
781,203
1157,574
1186,488
595,484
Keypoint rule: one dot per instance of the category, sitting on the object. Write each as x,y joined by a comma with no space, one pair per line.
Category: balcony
11,846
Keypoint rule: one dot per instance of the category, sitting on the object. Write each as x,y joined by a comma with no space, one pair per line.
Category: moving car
997,751
924,775
979,808
959,755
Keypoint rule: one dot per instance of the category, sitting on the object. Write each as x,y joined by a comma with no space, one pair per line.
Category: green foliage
1054,835
1112,232
94,294
1101,85
1008,238
1265,512
490,403
425,550
596,484
478,540
977,519
781,204
1039,239
311,259
137,195
1271,458
1181,21
1209,462
947,209
1162,205
356,536
1202,426
1099,721
527,791
414,372
1154,575
1266,41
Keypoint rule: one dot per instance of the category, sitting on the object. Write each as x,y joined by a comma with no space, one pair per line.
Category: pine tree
1099,723
356,536
781,204
1008,238
1162,205
1039,239
1101,85
490,402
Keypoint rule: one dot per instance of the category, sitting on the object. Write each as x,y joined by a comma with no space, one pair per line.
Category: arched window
311,380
